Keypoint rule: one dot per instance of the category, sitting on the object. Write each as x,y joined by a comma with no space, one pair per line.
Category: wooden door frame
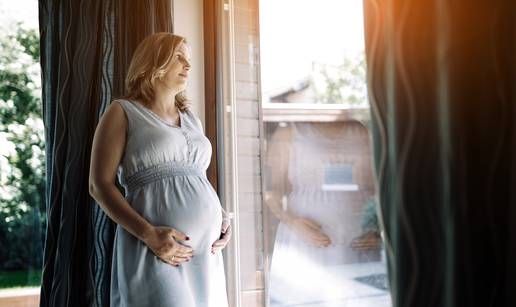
210,84
218,123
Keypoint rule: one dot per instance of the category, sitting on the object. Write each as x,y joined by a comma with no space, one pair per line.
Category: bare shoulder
115,110
114,116
113,124
108,143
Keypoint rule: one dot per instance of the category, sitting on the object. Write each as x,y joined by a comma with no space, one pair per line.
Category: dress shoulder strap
133,114
128,107
196,121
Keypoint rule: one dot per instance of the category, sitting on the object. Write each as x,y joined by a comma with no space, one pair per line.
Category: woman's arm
278,160
107,151
277,157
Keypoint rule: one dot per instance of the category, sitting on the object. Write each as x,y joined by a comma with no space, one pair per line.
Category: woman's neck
164,100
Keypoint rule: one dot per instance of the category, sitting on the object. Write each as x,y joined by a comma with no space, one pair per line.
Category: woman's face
177,74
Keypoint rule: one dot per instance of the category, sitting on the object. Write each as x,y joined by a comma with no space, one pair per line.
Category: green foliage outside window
22,151
344,83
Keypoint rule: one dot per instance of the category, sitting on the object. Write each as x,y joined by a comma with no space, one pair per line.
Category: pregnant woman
171,228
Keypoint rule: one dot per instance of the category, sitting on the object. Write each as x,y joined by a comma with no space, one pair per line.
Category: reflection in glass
325,245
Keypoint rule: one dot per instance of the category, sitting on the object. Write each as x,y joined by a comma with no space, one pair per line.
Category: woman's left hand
225,236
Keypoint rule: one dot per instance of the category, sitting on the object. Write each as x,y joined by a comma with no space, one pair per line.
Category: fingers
218,245
184,255
174,252
182,249
313,224
222,242
177,246
323,242
320,236
174,235
176,257
178,235
168,249
315,237
174,248
317,242
320,239
175,260
179,259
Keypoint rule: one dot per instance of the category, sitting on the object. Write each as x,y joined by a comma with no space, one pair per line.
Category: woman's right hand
309,231
162,241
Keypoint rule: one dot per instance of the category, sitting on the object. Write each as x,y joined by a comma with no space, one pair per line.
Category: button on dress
163,171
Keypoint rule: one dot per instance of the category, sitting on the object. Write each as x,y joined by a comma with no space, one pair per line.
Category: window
22,163
324,245
338,177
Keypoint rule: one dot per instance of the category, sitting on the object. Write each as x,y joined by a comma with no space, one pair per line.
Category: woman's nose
187,66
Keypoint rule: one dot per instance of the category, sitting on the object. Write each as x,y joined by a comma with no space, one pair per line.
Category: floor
20,297
349,291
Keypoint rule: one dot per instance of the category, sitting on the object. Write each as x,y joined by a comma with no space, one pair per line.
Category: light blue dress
163,171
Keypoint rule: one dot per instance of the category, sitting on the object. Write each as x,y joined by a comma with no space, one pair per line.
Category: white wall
188,22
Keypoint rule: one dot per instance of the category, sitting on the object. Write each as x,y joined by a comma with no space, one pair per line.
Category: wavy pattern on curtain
86,47
442,79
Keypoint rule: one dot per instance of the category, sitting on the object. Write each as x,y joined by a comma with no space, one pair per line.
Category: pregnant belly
188,204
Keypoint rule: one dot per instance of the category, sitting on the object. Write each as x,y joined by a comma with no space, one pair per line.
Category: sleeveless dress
305,274
163,171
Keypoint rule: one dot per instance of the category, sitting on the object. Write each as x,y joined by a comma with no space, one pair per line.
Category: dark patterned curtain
442,80
86,47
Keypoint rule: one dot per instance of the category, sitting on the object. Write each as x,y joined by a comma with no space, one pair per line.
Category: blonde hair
150,61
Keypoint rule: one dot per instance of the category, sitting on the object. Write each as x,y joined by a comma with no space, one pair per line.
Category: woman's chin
178,86
181,84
